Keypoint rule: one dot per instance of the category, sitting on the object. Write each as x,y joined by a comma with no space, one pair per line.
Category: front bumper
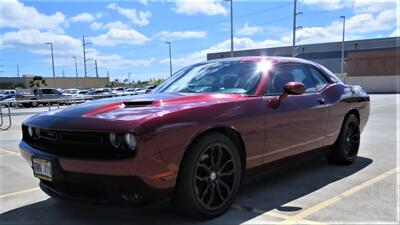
101,180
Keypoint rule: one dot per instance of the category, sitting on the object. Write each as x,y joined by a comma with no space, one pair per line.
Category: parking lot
309,192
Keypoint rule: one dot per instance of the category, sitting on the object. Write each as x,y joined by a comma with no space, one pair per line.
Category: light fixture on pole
231,1
343,34
52,62
170,57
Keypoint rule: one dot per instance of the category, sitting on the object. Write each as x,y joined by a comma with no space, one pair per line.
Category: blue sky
128,37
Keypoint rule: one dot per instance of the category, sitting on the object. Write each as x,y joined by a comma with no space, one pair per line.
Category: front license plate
42,168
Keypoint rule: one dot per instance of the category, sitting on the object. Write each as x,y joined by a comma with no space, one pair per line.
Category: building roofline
314,44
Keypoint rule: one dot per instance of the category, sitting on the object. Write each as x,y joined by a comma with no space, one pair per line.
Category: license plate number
42,168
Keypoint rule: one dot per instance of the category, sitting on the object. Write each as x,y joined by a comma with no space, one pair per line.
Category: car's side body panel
298,124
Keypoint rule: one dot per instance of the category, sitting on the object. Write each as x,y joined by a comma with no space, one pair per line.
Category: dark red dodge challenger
196,135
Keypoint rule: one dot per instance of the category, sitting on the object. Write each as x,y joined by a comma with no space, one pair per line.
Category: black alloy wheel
352,139
346,147
209,177
214,176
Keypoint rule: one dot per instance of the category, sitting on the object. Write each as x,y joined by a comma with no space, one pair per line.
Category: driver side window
289,73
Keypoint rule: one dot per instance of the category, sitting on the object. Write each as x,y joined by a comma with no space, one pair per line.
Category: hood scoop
137,104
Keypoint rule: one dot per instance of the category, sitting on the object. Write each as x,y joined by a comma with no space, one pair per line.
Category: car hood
122,113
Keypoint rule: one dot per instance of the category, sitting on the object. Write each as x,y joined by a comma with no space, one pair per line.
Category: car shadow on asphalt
271,190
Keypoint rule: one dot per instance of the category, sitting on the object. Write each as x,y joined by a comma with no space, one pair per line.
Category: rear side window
289,73
319,79
46,91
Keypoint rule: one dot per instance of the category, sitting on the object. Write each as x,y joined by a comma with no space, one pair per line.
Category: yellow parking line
274,214
9,152
19,192
300,216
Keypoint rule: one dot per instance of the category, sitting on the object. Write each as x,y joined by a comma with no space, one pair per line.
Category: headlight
130,141
30,131
115,140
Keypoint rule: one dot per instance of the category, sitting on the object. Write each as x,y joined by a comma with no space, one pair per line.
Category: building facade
327,54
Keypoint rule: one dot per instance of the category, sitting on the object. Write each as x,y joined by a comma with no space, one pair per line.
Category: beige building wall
376,84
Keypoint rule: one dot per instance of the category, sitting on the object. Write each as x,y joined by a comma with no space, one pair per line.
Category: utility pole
108,73
17,70
97,71
231,1
52,62
63,74
129,77
84,53
343,34
170,57
295,27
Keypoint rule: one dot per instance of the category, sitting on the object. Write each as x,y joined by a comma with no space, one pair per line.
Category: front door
299,122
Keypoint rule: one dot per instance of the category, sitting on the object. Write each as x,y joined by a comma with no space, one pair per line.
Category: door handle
321,101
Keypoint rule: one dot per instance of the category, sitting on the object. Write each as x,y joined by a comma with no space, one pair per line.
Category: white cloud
96,26
120,36
140,18
367,23
33,41
144,2
17,15
115,61
356,28
395,33
247,30
192,7
64,48
325,4
83,17
359,6
111,25
180,35
239,44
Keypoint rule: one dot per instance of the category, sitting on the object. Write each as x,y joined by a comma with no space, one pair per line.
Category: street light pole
76,67
343,34
170,57
52,63
231,1
294,29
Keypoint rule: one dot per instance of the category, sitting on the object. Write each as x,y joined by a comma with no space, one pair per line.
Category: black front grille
92,145
86,191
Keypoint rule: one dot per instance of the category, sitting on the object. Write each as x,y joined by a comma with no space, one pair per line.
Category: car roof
276,59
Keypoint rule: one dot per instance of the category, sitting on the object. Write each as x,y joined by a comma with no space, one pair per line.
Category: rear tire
346,147
209,177
34,104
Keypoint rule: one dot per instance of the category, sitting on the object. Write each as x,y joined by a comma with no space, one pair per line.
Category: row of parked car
35,97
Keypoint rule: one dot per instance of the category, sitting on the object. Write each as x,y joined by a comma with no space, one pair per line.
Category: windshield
215,77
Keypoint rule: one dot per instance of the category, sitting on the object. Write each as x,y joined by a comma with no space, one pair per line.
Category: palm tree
37,81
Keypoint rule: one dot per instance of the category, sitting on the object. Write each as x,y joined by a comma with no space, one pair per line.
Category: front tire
346,147
209,177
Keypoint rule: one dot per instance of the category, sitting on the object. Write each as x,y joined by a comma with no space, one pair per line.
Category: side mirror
294,88
290,88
